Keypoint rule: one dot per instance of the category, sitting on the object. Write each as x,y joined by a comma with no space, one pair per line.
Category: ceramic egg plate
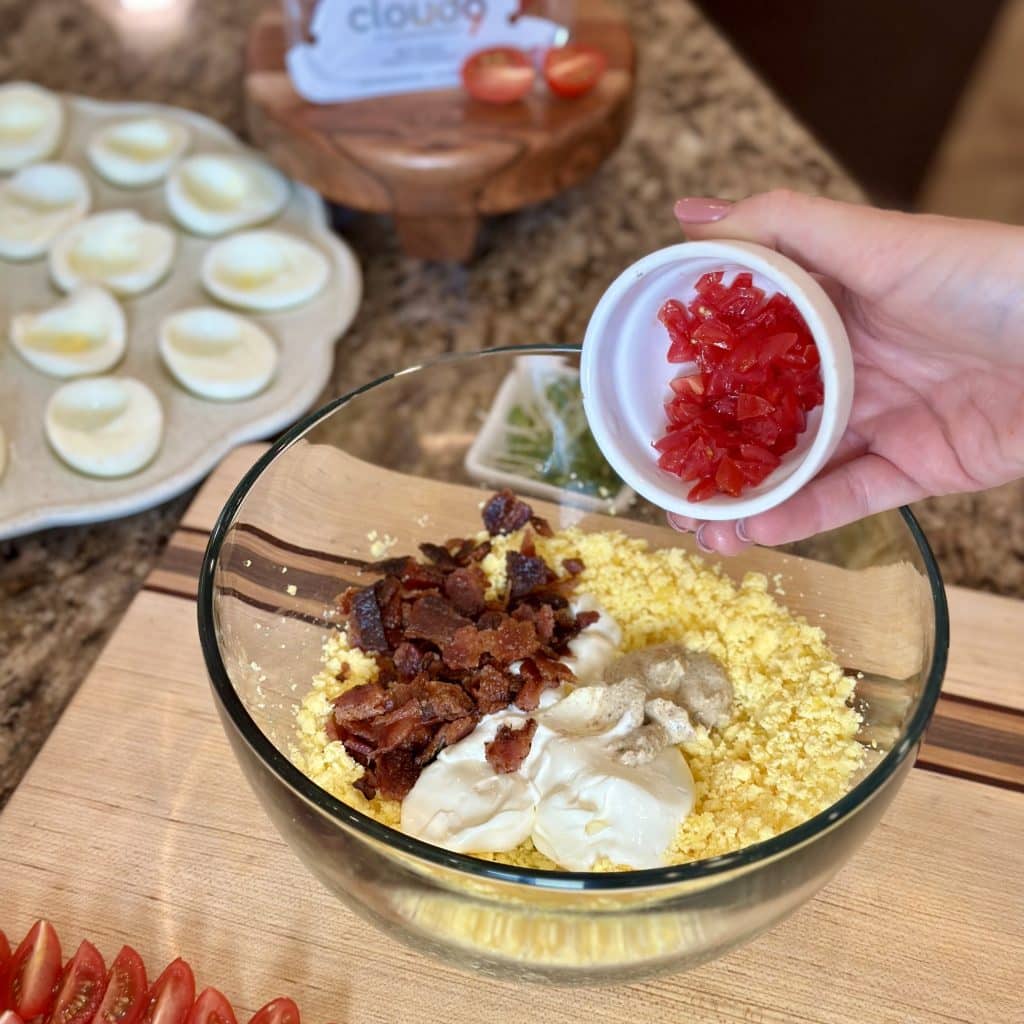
37,490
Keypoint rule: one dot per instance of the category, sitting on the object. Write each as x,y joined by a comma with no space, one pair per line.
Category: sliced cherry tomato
33,972
81,987
277,1011
211,1008
573,69
502,74
124,1000
171,996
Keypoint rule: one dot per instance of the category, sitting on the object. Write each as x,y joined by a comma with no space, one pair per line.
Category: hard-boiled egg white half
213,193
117,250
137,152
104,426
216,354
82,335
36,204
263,270
31,124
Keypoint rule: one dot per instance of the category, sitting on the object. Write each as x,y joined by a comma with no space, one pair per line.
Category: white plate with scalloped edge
37,490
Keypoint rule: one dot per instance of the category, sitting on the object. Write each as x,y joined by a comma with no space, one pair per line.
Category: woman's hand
935,312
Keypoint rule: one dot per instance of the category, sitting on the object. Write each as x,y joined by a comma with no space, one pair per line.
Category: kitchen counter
704,125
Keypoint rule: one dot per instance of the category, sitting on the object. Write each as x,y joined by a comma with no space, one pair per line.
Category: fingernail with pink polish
741,531
701,209
699,537
676,524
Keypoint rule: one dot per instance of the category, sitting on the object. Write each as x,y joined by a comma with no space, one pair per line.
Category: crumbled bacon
510,747
366,701
505,513
408,660
465,588
480,552
444,653
525,573
542,526
366,629
440,556
491,688
448,734
434,619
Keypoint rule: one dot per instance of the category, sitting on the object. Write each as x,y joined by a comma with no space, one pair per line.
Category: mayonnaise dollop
572,794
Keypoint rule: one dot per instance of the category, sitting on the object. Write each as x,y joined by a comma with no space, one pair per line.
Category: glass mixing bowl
410,458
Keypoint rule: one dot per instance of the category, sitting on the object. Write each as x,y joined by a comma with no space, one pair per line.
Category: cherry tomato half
502,74
33,972
211,1008
171,996
81,987
573,69
277,1011
125,998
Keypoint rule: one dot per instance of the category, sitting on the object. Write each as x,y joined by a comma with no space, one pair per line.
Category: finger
723,538
851,491
684,524
843,241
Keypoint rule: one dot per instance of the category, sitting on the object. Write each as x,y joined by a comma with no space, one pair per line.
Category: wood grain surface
440,160
135,824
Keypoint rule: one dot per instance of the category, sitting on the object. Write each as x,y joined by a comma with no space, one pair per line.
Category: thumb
841,240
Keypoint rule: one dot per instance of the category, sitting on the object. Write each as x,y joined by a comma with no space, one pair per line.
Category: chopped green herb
547,439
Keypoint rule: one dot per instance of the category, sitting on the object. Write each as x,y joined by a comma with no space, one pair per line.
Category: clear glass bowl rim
649,878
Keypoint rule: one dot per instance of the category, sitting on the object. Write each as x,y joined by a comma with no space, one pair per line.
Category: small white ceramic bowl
625,375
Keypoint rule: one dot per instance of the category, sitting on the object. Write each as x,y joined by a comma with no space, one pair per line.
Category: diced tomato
707,282
675,439
211,1008
753,473
125,997
729,478
759,375
81,987
749,406
671,460
725,406
573,69
171,996
776,346
33,972
691,384
755,453
679,324
700,460
10,1017
501,74
713,332
277,1011
703,489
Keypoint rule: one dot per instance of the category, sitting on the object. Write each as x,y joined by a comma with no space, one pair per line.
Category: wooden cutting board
135,825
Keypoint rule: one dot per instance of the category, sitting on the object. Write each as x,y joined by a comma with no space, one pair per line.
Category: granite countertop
704,125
